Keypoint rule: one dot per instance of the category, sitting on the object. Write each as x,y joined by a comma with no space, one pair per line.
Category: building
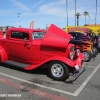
92,25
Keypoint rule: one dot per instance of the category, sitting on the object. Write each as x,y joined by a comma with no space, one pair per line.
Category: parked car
31,48
84,43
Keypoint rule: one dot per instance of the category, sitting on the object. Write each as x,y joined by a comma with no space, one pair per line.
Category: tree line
78,15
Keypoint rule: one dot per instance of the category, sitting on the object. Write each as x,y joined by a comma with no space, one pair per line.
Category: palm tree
77,17
89,19
85,14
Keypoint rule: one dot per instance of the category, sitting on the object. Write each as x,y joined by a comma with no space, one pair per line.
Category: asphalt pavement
18,84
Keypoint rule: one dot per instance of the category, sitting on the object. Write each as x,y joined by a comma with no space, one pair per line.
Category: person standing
4,34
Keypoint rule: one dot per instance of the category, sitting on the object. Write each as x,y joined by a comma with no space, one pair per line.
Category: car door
20,48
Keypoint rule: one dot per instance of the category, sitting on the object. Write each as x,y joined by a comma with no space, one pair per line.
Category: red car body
26,49
1,36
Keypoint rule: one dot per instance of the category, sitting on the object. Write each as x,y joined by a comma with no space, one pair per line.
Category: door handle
28,46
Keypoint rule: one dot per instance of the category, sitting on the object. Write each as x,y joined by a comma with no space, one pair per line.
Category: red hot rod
31,48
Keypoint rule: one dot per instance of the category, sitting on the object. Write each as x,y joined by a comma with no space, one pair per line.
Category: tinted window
20,35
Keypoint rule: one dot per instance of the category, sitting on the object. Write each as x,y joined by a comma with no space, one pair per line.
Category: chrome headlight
72,53
78,52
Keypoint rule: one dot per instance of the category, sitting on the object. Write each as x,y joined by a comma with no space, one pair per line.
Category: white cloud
54,8
37,4
5,12
20,5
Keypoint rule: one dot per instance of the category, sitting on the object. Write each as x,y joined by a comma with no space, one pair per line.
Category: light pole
96,13
18,14
67,10
75,12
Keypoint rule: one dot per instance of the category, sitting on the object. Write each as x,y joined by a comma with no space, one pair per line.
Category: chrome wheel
57,70
87,56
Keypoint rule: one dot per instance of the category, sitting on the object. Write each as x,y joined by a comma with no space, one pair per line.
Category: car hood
56,37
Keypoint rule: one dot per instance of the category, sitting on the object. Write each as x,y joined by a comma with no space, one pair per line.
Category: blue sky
44,12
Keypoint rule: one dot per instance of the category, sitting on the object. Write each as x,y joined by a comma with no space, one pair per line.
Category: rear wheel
58,71
87,55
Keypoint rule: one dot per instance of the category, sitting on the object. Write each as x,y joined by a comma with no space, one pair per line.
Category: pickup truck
31,48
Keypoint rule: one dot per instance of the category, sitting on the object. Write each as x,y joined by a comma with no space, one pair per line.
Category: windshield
37,35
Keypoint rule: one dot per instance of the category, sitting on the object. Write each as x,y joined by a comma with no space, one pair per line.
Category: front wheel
87,55
58,71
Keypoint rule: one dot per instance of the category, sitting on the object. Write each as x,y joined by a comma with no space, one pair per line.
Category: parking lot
17,84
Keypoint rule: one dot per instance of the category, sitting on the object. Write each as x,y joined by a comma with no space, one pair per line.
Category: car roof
26,29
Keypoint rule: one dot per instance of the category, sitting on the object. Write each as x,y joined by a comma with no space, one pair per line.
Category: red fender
3,54
59,58
79,60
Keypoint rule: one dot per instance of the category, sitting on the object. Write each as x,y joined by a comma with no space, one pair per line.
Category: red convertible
31,48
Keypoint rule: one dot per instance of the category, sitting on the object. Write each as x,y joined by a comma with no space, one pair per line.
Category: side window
38,35
20,35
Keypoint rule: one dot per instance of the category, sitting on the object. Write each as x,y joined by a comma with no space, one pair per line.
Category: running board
16,64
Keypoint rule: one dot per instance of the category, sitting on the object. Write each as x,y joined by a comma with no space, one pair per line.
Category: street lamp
96,14
18,14
67,10
75,12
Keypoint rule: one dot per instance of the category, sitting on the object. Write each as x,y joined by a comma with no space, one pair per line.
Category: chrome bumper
73,77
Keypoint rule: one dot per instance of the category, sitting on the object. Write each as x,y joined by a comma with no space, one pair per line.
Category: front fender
79,60
64,60
58,58
3,55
